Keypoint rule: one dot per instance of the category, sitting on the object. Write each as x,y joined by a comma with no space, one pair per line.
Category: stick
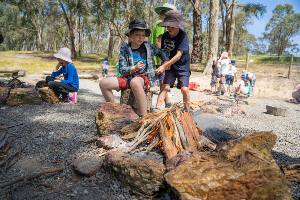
27,178
153,144
183,139
204,141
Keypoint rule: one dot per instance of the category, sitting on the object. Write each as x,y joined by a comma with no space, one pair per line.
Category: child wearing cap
136,65
70,84
176,42
155,38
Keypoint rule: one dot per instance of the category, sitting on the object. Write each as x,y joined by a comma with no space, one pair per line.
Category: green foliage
283,25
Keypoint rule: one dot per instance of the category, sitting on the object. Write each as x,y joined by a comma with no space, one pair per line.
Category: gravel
53,135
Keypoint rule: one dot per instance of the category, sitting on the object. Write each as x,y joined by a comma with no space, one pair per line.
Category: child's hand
160,70
139,65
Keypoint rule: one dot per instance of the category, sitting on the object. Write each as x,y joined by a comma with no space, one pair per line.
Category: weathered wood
292,172
168,146
276,111
128,98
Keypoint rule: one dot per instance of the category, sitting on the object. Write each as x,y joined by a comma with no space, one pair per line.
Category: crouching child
70,83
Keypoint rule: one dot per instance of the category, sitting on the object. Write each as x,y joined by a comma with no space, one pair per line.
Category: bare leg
137,87
107,85
186,97
162,95
167,98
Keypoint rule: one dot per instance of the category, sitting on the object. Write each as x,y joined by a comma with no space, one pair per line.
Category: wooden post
247,62
290,67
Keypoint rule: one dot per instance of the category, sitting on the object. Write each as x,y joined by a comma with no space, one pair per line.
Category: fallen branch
27,178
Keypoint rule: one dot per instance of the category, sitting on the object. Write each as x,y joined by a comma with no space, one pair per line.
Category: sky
258,26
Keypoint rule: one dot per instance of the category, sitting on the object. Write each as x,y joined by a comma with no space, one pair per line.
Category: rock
88,165
20,96
4,92
48,95
238,170
276,111
111,117
111,141
142,174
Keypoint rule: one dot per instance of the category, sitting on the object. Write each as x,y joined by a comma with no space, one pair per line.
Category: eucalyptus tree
197,52
213,36
283,25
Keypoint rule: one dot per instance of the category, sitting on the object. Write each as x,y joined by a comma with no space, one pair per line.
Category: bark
229,45
71,29
213,36
111,31
223,37
150,19
196,56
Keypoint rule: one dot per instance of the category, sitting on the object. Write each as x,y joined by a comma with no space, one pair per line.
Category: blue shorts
161,77
183,78
229,79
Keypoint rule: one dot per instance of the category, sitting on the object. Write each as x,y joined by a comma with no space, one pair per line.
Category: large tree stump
127,97
276,111
20,96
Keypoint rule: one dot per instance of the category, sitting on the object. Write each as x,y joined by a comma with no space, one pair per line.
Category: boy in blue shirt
71,81
176,42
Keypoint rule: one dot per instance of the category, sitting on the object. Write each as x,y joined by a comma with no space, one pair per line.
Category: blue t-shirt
140,55
70,75
179,43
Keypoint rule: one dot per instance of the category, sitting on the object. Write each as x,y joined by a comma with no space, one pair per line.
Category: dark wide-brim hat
173,18
138,24
166,7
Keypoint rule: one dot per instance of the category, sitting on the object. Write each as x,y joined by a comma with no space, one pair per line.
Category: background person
70,83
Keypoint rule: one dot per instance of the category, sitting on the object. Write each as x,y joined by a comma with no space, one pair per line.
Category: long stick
27,178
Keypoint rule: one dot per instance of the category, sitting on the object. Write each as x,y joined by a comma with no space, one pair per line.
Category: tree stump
127,97
276,111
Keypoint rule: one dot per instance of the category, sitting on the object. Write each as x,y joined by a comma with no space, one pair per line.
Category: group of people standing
224,73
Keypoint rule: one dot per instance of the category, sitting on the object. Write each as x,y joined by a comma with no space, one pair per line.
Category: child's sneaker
73,97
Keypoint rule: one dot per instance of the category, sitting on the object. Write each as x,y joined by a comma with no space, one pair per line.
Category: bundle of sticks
171,130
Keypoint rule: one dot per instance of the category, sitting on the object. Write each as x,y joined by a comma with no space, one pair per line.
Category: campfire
170,130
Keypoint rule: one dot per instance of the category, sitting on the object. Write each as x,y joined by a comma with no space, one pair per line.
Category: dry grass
36,63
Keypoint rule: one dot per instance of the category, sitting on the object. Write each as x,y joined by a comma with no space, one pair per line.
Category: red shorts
124,83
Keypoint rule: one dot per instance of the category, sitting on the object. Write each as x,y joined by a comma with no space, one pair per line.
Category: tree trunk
110,41
213,36
229,45
222,42
111,31
71,30
150,19
196,56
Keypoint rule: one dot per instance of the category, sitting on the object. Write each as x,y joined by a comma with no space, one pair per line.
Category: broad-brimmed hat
173,18
64,54
224,54
138,24
165,7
